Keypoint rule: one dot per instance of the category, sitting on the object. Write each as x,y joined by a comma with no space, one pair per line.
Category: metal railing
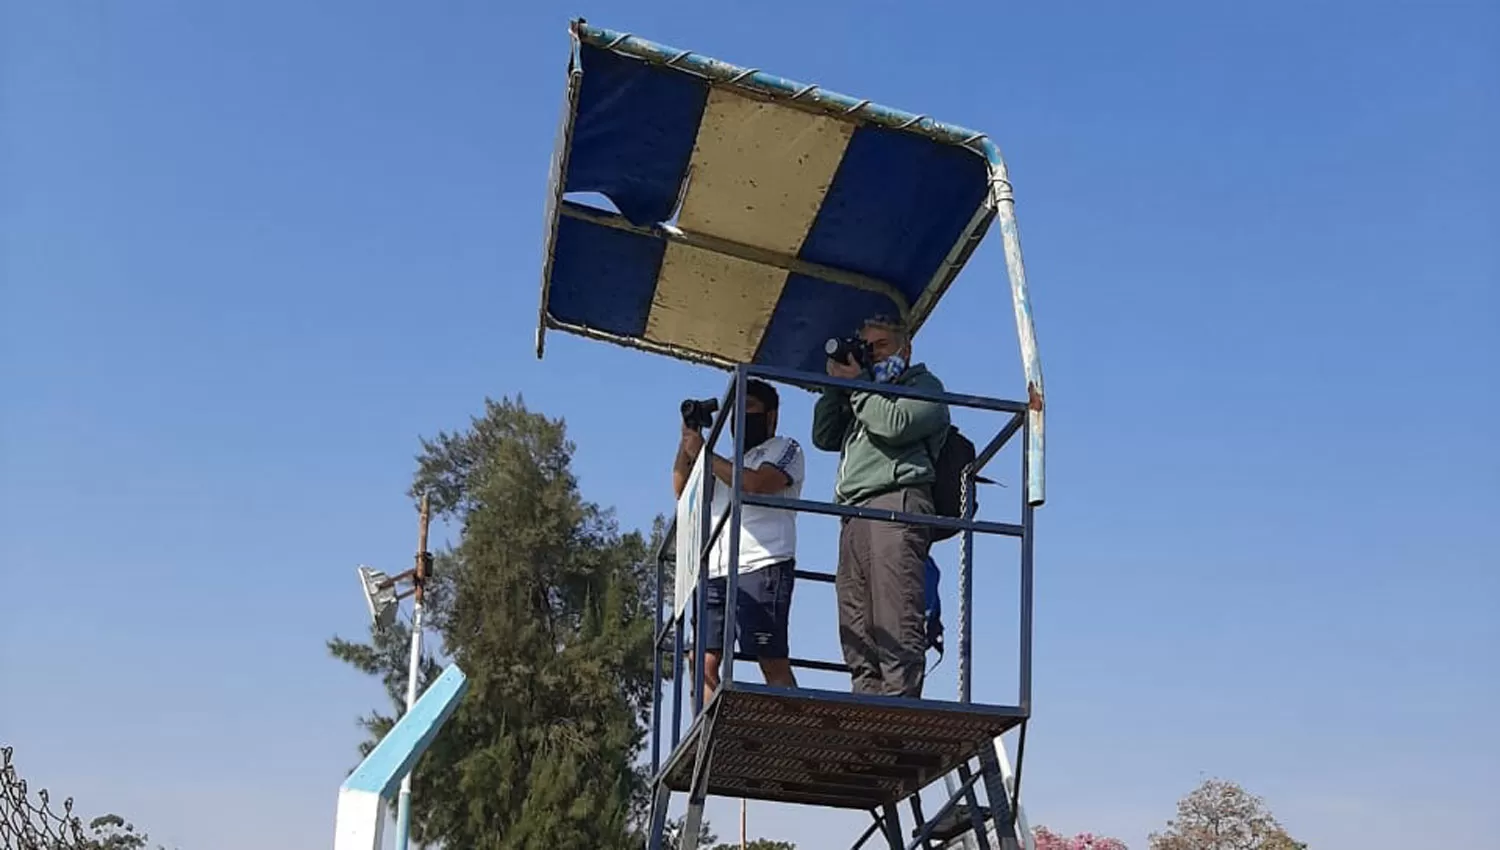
733,404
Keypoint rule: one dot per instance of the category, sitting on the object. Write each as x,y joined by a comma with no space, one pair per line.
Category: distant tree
1046,839
112,832
1220,815
545,604
672,838
758,844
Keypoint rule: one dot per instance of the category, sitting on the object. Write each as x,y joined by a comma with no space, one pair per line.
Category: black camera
699,413
839,350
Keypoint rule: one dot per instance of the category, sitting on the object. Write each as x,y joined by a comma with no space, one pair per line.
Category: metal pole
656,651
736,489
403,805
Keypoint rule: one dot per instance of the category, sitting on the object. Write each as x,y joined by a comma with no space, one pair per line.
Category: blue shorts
763,602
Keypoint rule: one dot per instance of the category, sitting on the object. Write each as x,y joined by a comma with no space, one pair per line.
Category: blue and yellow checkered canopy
752,218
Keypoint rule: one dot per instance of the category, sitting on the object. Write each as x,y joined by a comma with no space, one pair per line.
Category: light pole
382,598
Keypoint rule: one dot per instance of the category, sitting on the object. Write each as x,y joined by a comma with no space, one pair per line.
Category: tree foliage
112,832
1046,839
544,604
1220,815
758,844
672,837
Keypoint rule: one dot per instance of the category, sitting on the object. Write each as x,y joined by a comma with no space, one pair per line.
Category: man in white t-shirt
768,541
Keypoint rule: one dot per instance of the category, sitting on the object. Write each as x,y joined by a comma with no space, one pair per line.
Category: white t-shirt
767,535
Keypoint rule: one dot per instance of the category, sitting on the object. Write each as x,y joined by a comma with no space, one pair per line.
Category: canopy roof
752,224
747,218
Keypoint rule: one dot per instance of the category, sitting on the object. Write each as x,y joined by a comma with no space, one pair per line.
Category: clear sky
251,252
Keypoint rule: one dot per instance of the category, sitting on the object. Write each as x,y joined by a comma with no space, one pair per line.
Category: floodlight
380,596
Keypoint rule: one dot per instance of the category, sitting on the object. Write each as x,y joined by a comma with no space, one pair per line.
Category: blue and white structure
365,795
746,220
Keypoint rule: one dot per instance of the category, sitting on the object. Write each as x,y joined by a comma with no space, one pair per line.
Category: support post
994,791
698,792
890,819
659,802
976,814
923,828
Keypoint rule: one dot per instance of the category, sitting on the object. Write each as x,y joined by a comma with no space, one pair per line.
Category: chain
964,648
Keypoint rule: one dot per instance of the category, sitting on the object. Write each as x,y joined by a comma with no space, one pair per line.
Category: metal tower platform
746,220
831,748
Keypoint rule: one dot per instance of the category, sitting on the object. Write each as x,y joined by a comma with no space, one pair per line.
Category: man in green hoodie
887,457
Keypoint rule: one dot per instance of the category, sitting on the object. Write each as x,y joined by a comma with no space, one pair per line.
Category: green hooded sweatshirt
884,443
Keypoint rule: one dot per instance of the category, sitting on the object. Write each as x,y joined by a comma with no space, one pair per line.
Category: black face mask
757,429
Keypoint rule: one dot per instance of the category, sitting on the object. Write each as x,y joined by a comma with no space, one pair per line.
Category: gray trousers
882,597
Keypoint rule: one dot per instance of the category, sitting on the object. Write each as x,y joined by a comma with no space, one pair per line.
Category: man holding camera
887,460
768,537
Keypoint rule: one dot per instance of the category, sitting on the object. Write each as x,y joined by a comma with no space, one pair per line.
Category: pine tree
545,605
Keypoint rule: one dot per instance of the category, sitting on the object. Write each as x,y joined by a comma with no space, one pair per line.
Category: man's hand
692,442
848,370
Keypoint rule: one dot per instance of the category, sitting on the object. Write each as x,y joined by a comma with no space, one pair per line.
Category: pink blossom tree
1046,839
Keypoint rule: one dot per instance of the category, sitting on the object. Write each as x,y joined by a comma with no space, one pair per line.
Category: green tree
545,605
1220,815
672,837
759,844
112,832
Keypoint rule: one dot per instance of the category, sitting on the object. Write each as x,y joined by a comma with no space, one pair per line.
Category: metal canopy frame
997,205
698,747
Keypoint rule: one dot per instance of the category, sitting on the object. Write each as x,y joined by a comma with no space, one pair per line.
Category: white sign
689,535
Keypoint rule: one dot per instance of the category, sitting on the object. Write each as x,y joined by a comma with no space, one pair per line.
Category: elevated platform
827,748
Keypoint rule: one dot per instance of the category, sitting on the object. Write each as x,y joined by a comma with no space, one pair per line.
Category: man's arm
772,476
687,455
898,420
766,478
832,415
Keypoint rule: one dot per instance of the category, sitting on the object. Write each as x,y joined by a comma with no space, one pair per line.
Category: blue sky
251,252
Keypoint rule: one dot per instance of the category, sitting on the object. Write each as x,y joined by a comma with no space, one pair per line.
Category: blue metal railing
733,404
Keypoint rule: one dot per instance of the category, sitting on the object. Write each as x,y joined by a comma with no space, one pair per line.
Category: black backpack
948,490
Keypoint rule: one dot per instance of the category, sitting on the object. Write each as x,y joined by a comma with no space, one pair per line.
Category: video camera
699,413
840,349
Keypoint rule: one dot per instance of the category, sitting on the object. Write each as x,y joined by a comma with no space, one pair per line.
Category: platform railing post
736,488
656,672
1028,516
678,652
704,555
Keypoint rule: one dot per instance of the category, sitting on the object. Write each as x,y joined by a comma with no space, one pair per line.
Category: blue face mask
888,369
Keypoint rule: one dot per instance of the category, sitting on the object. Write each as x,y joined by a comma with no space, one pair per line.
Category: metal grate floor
826,748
